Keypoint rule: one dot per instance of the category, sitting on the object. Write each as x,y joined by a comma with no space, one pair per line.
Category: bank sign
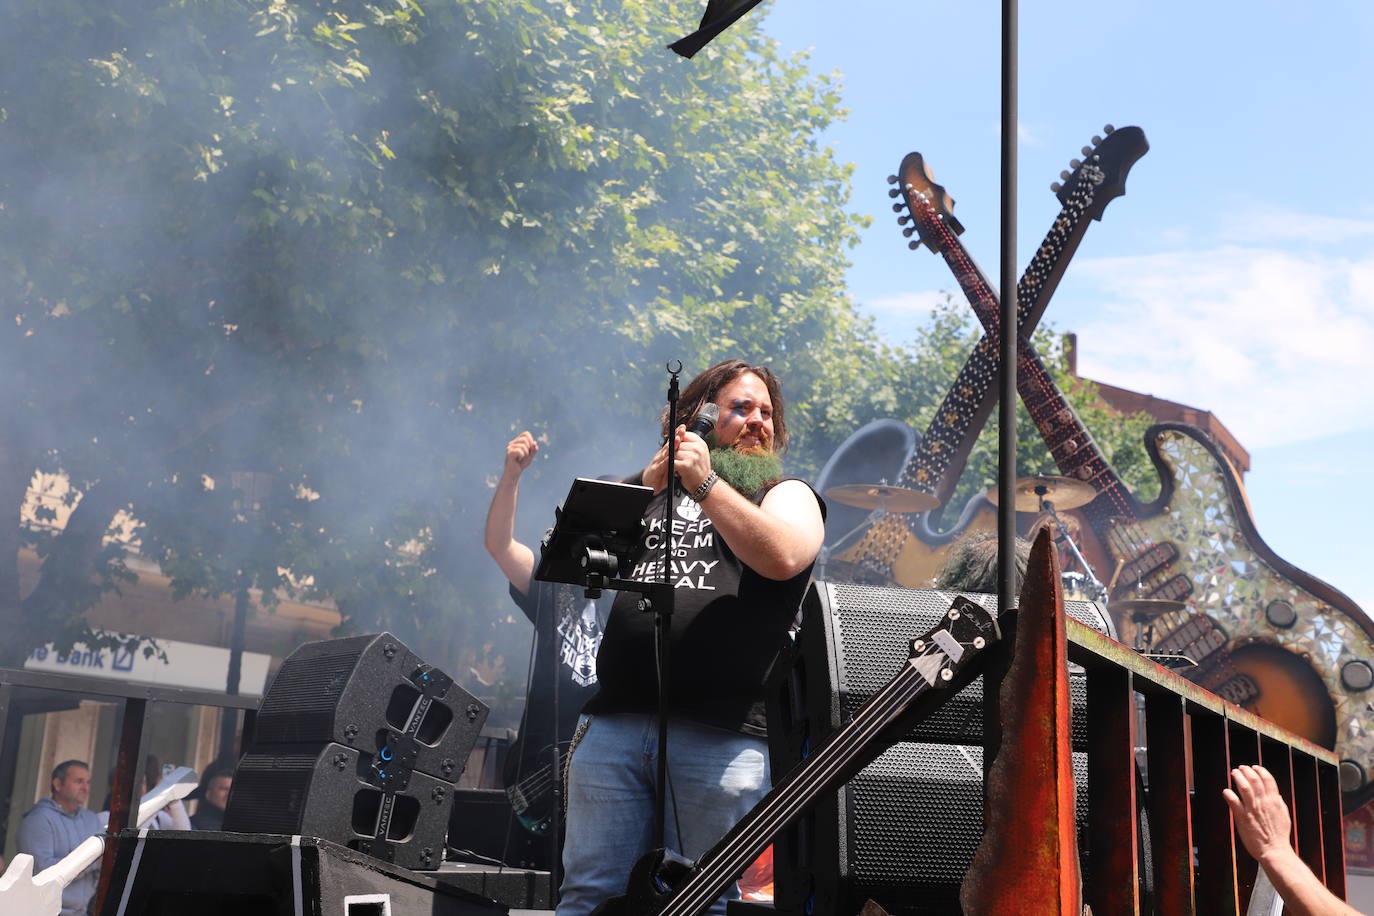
187,664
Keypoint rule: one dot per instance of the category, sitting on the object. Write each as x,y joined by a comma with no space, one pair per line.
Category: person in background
972,564
57,825
1264,826
213,795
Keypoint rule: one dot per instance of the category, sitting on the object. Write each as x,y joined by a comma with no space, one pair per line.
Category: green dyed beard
745,472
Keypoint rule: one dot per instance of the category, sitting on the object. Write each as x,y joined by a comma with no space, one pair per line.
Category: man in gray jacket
57,825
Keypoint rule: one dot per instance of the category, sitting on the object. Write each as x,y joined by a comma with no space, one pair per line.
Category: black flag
719,15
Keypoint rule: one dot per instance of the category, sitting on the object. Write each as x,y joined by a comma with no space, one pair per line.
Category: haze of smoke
414,390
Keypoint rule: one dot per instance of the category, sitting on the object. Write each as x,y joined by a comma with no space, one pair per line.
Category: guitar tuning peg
1087,151
1056,187
892,179
913,245
1075,163
1064,174
903,219
908,230
893,193
896,208
1107,128
1096,139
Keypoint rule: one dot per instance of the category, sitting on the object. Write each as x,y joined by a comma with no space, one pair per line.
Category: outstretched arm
1264,826
515,559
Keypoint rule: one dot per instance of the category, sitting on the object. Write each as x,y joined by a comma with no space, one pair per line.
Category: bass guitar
529,774
906,549
942,662
1266,635
567,634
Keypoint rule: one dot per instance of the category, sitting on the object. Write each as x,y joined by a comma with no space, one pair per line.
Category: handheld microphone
705,420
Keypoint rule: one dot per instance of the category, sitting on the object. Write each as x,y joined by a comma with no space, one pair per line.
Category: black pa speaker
327,791
903,831
482,827
357,742
354,691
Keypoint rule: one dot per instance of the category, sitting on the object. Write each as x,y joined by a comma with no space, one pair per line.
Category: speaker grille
917,804
872,627
904,830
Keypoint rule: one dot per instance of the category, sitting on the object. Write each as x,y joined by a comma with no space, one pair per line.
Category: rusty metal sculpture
1028,859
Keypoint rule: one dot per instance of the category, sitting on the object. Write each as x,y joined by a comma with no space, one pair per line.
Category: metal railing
1192,739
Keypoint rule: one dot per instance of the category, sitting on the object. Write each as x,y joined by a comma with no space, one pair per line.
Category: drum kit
1046,495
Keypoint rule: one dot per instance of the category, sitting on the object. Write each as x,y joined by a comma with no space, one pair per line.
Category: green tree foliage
357,245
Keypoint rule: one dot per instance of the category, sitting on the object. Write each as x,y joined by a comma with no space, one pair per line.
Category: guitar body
921,553
879,451
526,775
1278,640
1266,635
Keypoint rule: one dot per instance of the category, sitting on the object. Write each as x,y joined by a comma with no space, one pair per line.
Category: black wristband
700,492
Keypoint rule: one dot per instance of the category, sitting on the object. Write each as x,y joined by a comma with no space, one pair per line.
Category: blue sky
1236,275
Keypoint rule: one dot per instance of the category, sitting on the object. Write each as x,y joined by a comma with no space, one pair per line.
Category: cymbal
882,496
1062,492
1139,609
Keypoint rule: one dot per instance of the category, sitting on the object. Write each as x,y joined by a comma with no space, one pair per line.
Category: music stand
595,531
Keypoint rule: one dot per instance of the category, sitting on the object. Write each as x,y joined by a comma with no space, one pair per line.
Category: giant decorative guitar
942,662
1267,635
905,549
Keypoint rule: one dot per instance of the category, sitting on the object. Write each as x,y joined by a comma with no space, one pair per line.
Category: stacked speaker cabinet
358,742
903,831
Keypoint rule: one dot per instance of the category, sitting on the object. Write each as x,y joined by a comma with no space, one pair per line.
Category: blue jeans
715,776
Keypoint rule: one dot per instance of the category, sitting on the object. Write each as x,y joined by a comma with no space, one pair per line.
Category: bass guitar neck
942,662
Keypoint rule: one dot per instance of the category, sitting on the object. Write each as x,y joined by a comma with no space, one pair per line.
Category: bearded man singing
744,540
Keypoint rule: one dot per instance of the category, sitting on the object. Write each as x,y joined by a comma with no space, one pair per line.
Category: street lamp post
252,487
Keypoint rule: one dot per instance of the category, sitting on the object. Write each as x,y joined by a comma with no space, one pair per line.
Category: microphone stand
554,652
661,606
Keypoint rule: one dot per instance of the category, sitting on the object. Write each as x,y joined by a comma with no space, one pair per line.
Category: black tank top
728,626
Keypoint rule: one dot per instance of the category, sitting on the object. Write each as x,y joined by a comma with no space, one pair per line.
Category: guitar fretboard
937,462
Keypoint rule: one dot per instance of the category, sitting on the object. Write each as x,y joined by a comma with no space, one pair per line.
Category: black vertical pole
553,659
1006,451
663,599
1007,597
228,722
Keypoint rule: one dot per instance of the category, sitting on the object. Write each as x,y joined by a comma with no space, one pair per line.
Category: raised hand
520,452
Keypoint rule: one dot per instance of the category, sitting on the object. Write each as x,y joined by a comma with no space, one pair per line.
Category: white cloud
1265,225
906,305
898,317
1278,346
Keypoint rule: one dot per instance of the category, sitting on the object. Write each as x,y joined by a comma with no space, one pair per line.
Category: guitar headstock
928,205
1104,165
963,633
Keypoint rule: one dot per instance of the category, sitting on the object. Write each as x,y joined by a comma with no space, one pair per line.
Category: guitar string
539,780
843,745
737,850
